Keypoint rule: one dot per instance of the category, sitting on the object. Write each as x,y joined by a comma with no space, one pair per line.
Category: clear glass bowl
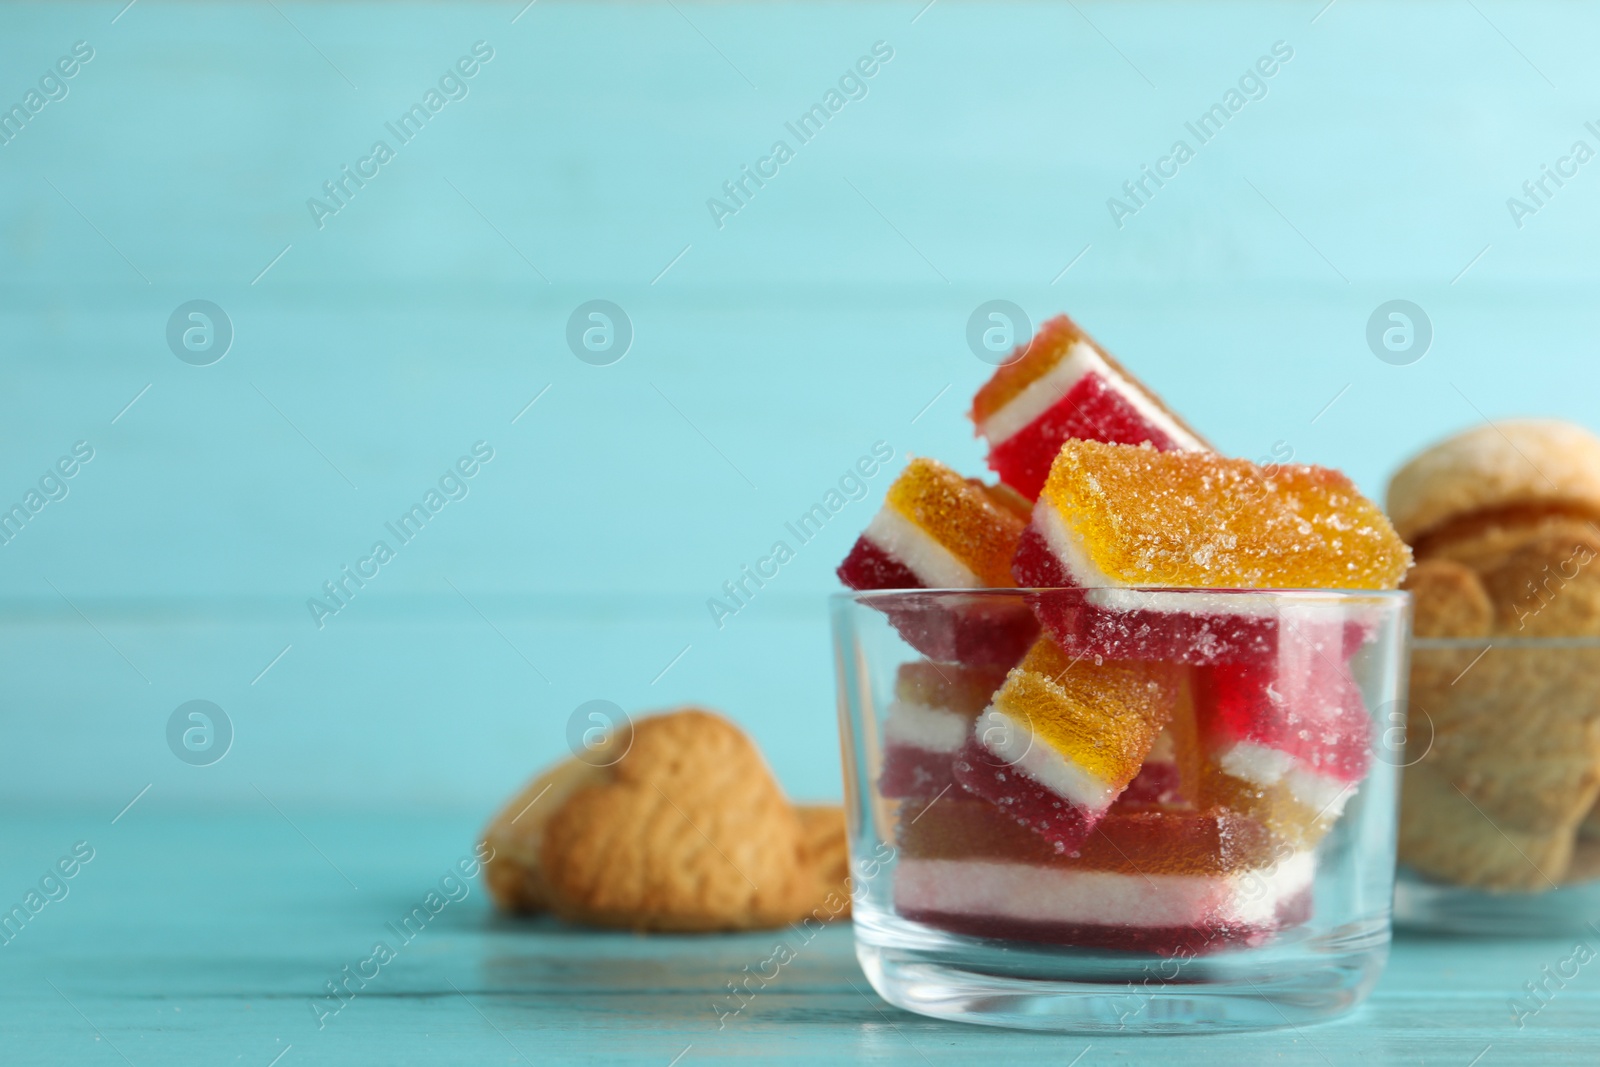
1502,770
1222,899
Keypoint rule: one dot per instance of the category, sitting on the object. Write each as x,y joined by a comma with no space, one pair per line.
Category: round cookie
828,850
1519,463
688,832
1443,836
516,835
1447,600
576,803
1548,586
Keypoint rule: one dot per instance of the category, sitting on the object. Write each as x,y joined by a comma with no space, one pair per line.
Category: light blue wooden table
192,939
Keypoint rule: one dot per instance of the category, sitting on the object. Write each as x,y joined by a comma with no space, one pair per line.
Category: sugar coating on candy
1101,717
1055,817
1170,776
871,567
1120,515
1155,840
1062,385
1157,881
1274,720
1288,739
928,721
1063,738
966,690
1276,807
1029,363
937,529
1159,782
1200,627
978,523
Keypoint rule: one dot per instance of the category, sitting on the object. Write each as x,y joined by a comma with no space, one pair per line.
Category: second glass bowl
1502,771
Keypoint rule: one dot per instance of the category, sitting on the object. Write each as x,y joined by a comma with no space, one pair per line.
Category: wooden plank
208,939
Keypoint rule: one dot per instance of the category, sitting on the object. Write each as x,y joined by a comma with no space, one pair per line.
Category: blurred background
369,319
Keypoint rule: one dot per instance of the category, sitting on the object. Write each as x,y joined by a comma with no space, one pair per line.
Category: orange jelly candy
1275,807
1173,770
938,530
1064,737
1191,519
1113,517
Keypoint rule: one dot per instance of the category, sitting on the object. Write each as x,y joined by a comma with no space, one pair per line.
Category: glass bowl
1499,781
1242,880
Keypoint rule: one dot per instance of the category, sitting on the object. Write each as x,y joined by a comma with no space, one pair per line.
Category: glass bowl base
1422,904
1031,987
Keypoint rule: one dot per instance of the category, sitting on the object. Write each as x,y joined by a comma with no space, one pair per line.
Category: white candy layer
1196,603
1067,546
1025,892
1014,743
1163,749
1257,764
1319,792
920,726
1044,393
935,565
1265,767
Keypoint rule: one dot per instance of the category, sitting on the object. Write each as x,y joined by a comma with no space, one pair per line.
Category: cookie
1549,586
1516,464
1447,600
1517,729
1443,836
516,835
517,884
828,856
685,832
1585,865
1505,523
1483,540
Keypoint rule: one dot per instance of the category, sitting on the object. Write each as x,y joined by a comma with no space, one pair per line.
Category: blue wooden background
828,314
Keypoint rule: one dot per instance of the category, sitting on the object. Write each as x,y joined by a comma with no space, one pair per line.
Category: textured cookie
828,857
1516,728
1514,464
1443,836
1482,541
687,832
1447,600
516,835
1549,586
1589,828
1585,865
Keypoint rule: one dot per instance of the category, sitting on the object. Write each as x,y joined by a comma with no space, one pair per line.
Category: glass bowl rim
1473,644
